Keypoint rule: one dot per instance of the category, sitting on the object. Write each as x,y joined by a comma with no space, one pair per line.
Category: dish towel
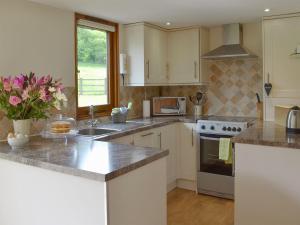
225,150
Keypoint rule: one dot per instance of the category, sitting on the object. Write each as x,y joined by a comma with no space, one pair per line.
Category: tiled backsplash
233,85
231,92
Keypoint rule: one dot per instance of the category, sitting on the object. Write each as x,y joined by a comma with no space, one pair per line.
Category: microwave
168,106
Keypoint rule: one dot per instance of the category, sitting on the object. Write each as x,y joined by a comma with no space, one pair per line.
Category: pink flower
7,84
44,95
14,100
25,94
18,82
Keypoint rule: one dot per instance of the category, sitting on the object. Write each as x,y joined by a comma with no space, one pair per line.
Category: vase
22,126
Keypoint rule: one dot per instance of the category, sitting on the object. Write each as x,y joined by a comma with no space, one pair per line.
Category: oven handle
209,138
214,136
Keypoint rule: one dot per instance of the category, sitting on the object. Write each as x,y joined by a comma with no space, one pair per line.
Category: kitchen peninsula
82,182
267,188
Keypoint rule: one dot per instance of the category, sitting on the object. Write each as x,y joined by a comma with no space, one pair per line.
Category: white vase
198,110
22,126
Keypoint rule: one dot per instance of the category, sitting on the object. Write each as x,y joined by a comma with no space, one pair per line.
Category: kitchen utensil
258,98
293,120
268,86
199,97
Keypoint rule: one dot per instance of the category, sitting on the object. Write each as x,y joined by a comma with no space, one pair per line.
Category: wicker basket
119,117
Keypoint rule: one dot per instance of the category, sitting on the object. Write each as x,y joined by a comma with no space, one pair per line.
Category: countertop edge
136,165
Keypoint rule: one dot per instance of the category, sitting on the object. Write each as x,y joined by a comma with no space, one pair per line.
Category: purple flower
18,82
14,100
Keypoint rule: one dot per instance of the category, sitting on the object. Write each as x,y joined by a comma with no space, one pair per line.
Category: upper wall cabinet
281,37
146,48
184,51
165,57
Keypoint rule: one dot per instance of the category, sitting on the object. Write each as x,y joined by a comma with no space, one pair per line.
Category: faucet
92,121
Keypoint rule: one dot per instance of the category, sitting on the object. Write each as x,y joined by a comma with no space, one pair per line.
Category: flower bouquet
26,97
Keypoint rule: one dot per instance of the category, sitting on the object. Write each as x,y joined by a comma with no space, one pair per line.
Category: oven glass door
209,155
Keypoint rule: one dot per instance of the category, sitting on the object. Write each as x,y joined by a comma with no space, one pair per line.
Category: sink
95,131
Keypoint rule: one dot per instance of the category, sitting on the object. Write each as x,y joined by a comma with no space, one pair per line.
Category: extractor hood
232,44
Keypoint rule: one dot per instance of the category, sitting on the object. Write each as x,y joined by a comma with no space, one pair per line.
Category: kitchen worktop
82,156
94,157
269,134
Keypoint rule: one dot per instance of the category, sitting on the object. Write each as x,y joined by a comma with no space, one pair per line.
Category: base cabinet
181,141
187,156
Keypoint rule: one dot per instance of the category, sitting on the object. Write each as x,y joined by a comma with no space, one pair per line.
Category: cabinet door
169,137
187,152
155,56
183,56
281,37
134,48
127,140
149,138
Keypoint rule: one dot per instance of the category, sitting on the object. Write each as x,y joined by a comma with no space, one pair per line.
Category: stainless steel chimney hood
232,47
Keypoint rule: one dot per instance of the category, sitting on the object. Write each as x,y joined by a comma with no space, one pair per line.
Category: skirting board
171,186
186,184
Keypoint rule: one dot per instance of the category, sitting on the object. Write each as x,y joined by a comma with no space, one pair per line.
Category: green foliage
92,46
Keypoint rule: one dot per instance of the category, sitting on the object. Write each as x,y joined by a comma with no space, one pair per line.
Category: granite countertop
82,156
269,134
93,157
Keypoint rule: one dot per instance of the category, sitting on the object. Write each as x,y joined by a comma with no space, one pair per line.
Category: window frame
113,65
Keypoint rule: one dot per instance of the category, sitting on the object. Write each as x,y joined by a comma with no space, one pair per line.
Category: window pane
92,55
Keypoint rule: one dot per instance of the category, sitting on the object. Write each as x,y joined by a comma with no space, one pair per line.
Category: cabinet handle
193,137
167,71
148,69
159,140
148,134
195,69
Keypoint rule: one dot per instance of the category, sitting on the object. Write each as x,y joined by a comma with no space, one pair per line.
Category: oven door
209,156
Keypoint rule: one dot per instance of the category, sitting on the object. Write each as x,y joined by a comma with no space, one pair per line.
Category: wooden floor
187,208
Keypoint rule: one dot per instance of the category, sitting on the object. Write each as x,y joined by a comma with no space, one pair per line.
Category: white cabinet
184,52
169,137
165,57
149,138
281,37
126,140
187,152
146,48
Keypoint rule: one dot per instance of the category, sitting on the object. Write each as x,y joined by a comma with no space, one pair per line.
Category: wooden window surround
113,65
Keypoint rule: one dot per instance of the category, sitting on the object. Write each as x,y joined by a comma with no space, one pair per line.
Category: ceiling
178,12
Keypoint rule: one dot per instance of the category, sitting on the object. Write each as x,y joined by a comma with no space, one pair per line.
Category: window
96,43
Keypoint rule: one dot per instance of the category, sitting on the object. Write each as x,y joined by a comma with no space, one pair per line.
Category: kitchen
241,95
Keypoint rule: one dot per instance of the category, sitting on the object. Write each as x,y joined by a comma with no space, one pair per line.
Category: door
155,56
169,141
187,152
209,156
281,37
183,56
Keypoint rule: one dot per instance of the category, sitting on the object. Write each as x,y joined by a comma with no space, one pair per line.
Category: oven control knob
234,129
224,128
203,127
229,128
239,129
212,127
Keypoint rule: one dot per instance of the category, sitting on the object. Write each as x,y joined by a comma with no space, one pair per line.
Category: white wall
36,38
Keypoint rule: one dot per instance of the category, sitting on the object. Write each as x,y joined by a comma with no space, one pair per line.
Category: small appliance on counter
293,120
169,106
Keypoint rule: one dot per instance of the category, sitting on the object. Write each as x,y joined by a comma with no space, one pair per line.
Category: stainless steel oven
214,176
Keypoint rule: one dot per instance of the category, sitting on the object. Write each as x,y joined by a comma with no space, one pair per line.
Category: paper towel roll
146,108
